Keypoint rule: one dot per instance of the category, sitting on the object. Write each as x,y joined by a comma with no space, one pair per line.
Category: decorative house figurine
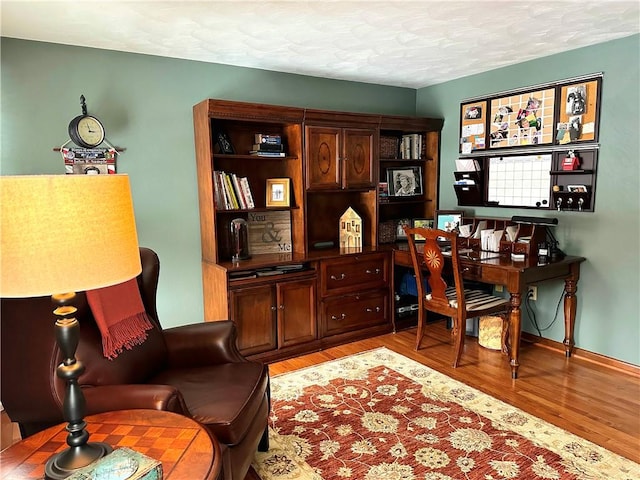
350,229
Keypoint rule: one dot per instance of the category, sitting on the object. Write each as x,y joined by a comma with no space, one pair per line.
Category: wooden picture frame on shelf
404,181
400,233
278,192
422,223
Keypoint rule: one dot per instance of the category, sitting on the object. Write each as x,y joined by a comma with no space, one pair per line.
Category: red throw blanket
120,315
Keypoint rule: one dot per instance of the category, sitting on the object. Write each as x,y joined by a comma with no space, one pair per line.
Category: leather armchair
195,370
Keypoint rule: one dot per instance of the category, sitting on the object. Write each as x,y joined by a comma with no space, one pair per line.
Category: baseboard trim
584,354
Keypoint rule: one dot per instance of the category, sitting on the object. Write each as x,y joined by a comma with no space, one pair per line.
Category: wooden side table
185,448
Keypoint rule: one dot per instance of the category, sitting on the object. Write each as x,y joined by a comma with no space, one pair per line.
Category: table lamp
61,234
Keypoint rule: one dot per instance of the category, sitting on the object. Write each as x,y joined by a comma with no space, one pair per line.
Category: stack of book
268,146
232,192
411,146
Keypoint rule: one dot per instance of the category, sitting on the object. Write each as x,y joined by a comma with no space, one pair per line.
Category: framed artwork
404,181
422,223
448,220
577,188
278,192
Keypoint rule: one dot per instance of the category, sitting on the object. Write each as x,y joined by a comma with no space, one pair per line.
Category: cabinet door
358,158
296,312
323,158
253,310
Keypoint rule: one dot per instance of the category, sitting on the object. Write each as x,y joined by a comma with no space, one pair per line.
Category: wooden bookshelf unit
302,292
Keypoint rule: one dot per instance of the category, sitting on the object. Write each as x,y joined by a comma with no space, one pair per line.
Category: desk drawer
354,273
353,312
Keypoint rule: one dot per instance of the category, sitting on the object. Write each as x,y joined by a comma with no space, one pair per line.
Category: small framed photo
448,220
400,235
422,223
404,181
222,143
577,188
278,192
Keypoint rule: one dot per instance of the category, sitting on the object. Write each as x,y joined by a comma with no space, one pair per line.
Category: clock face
86,131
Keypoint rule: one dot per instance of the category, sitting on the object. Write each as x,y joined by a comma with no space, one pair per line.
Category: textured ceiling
402,43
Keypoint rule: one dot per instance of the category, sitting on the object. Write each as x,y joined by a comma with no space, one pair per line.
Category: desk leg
570,301
515,320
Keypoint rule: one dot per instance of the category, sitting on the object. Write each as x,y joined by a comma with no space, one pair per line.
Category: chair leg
420,333
459,334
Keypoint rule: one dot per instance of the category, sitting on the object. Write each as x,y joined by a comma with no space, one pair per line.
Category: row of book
268,146
411,146
232,192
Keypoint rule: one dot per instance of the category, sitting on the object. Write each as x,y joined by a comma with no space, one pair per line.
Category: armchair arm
133,396
202,344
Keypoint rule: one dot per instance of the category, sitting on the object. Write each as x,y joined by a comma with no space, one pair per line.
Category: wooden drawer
354,273
354,312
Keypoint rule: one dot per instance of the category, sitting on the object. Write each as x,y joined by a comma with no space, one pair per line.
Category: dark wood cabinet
354,293
339,158
332,160
254,309
296,312
273,316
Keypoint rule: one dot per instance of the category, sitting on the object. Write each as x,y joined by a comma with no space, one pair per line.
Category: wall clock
86,130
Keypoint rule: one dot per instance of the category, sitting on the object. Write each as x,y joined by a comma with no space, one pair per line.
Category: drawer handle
273,308
341,317
281,307
376,271
377,309
342,277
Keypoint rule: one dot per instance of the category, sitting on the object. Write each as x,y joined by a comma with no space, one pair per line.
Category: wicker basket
389,147
387,232
490,332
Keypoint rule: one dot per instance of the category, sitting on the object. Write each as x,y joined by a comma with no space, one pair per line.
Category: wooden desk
515,276
184,447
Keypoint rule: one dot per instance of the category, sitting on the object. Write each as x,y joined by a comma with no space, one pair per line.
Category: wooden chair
453,301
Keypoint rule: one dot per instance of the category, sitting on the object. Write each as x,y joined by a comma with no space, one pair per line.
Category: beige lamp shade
66,233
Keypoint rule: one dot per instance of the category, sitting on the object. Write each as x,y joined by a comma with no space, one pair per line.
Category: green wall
145,103
609,287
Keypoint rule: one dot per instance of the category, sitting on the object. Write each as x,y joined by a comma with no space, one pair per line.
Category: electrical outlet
532,292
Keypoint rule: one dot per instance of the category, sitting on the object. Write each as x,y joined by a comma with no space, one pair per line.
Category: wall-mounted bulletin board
473,121
522,119
578,112
528,144
557,113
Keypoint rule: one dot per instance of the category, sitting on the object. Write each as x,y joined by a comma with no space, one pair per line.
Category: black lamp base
63,464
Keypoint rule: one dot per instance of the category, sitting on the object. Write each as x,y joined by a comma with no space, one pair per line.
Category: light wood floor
593,401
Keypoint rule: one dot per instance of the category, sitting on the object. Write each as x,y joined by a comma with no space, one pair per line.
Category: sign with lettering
269,232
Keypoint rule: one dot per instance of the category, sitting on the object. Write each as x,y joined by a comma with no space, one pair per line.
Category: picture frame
448,220
278,192
400,234
222,143
405,181
422,223
577,188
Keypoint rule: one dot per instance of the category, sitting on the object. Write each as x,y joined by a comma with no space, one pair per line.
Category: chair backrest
31,391
427,253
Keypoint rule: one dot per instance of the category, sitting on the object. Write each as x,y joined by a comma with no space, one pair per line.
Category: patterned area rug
381,416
